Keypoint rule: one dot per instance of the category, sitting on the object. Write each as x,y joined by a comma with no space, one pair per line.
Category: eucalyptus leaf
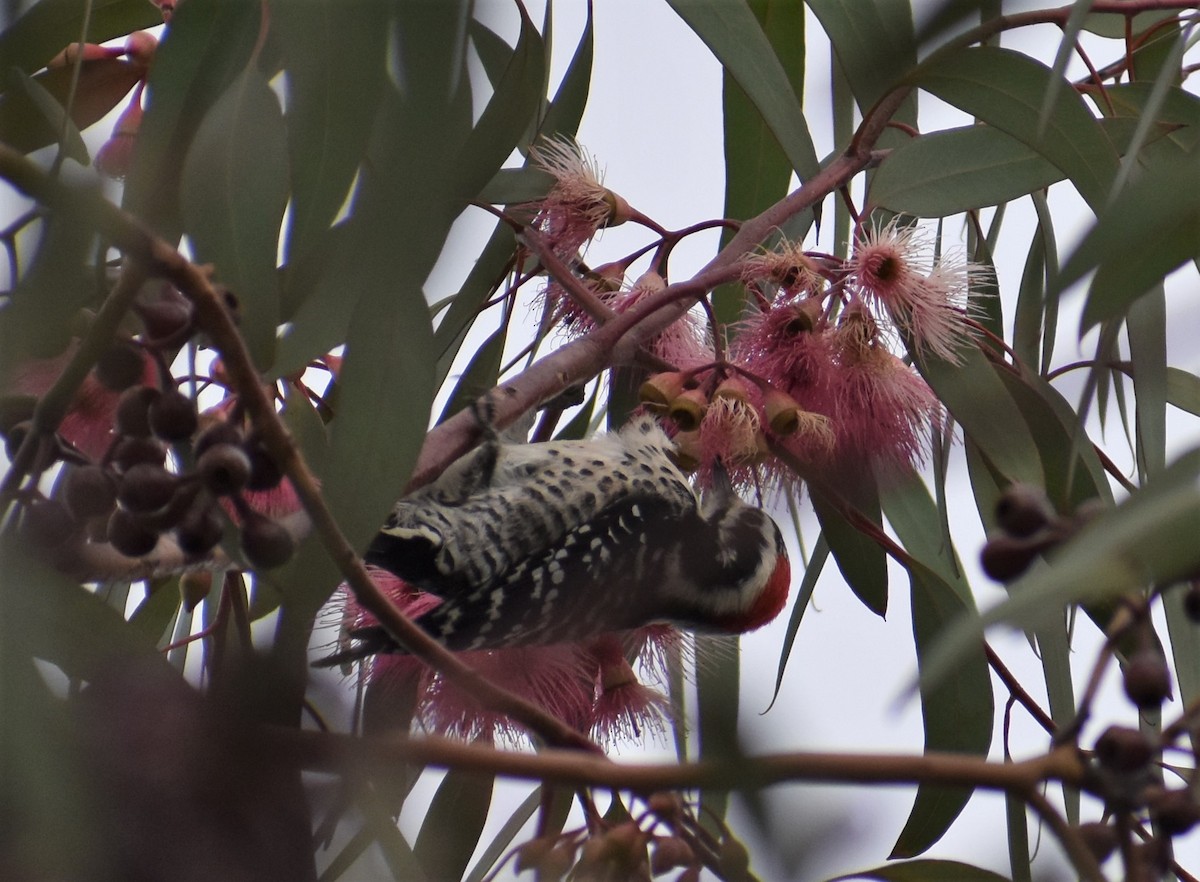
46,27
234,192
1006,89
956,170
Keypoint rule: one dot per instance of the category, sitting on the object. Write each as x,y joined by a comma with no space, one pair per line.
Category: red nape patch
770,602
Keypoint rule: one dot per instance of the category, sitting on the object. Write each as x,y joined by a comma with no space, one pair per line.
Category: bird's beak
722,485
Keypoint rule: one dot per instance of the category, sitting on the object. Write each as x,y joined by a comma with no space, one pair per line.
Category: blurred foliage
317,153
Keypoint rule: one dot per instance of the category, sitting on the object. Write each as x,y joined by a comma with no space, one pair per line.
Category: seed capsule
1147,679
224,469
1121,749
129,535
89,491
1023,509
146,488
266,544
265,473
199,532
687,410
132,451
219,432
133,411
173,416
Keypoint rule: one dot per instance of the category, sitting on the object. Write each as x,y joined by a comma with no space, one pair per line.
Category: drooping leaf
31,108
1006,89
507,115
757,170
330,54
234,191
812,572
36,322
735,37
861,561
957,712
516,185
1183,390
977,399
1151,228
924,871
956,170
453,824
874,42
64,623
1146,325
566,110
206,48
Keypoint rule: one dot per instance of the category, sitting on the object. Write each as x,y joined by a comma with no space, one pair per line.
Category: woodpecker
560,542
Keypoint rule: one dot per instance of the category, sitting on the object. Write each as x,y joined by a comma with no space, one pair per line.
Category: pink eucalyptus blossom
882,408
578,203
893,268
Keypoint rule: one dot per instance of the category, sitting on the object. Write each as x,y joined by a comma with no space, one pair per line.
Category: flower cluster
811,373
591,686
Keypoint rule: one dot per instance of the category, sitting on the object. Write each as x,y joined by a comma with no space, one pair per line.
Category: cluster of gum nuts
130,498
1123,771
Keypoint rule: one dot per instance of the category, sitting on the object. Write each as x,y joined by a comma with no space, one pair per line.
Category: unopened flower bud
661,389
194,587
687,410
140,47
1147,679
88,51
1023,509
782,412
